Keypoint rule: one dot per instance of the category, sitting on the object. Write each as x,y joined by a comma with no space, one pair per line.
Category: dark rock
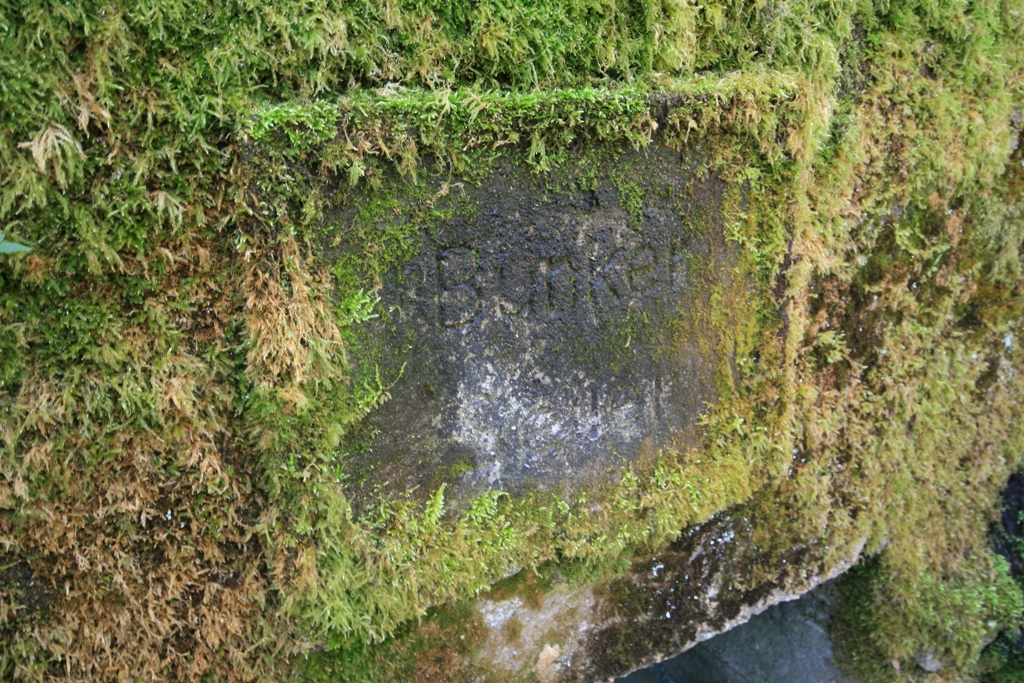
788,643
542,334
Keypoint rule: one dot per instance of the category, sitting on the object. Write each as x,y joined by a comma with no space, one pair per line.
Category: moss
438,648
462,467
146,369
1001,663
512,629
529,584
631,198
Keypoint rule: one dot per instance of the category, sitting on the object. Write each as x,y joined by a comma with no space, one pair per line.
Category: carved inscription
536,337
598,279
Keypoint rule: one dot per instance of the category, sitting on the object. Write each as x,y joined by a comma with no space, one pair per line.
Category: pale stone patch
547,663
527,638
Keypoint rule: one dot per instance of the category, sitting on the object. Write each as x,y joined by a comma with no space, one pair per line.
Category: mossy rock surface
192,382
548,625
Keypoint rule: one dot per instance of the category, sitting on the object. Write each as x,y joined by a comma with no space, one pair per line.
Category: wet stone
542,335
788,643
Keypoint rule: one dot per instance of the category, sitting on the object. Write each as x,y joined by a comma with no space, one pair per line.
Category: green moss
170,165
631,198
962,613
440,647
461,467
1000,663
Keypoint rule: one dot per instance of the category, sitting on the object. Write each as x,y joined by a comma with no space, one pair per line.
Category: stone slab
540,334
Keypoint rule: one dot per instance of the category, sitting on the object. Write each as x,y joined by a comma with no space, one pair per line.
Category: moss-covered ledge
554,625
391,178
407,549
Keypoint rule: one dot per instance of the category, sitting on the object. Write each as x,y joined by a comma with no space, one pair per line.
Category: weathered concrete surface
540,333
